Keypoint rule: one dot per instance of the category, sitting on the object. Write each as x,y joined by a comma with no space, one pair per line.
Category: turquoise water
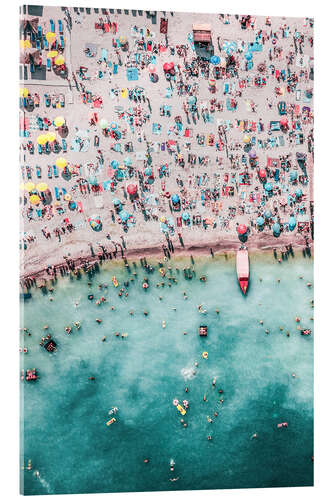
65,414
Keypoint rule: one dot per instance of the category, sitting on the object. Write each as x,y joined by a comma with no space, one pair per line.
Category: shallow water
65,435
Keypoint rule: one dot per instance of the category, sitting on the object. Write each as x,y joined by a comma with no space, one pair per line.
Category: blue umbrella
268,186
292,223
229,47
124,215
248,56
148,171
192,99
175,198
186,216
120,174
293,175
298,193
268,214
116,202
276,228
128,161
260,221
115,164
215,60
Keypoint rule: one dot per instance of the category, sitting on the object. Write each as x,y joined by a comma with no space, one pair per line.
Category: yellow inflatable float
181,409
205,355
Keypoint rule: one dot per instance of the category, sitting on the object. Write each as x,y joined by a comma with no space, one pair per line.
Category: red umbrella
284,121
132,189
241,229
168,66
262,172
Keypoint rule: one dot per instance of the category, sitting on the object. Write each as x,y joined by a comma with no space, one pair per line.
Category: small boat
114,281
203,330
111,421
243,268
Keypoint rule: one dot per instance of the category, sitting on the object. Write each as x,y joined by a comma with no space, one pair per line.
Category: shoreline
78,262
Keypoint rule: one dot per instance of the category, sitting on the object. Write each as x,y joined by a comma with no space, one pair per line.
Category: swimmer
309,284
145,313
267,331
186,389
45,327
297,319
261,322
98,320
146,461
278,280
217,311
51,299
214,382
67,330
131,312
103,339
254,436
209,419
77,325
205,398
293,375
209,438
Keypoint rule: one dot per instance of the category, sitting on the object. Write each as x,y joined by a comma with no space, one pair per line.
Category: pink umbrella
168,66
241,229
262,172
131,189
151,68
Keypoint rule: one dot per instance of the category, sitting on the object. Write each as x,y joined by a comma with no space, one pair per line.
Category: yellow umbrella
61,162
42,139
162,219
68,197
52,54
34,199
246,139
59,121
59,60
29,186
27,44
24,92
50,37
42,186
123,39
51,136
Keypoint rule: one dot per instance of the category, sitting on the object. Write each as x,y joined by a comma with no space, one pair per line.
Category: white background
9,217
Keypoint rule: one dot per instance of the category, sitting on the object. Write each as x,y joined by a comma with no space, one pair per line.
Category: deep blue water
65,414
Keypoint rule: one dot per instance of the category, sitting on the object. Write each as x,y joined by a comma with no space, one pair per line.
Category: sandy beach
195,183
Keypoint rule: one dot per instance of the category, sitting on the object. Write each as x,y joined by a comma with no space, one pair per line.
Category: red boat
243,268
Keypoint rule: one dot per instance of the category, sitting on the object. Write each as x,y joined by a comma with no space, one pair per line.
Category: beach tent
241,229
260,221
268,186
95,222
292,223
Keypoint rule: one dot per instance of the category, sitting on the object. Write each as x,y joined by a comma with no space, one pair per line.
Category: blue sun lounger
62,42
52,28
55,171
64,145
39,149
45,42
56,192
32,68
39,32
38,172
38,45
60,26
48,64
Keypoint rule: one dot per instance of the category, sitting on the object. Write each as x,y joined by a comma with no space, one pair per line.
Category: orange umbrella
59,61
34,199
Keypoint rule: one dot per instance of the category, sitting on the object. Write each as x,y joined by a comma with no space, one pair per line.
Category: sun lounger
64,145
45,43
32,68
60,28
39,149
62,42
55,171
52,28
38,172
56,192
48,64
38,45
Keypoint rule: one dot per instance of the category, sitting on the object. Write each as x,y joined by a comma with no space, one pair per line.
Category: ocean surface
266,378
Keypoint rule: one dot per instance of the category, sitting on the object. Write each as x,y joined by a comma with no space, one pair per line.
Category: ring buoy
205,355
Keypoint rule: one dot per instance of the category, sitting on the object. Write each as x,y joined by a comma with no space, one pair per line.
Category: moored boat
243,268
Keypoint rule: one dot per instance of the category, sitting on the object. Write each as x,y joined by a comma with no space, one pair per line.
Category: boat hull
243,269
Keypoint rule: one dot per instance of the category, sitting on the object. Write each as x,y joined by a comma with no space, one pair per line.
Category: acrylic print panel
166,243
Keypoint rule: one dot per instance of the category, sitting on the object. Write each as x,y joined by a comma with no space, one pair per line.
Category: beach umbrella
114,164
148,171
29,186
248,56
59,61
163,219
252,153
67,197
113,126
59,121
186,216
122,40
51,136
95,222
241,229
246,139
42,139
262,173
293,175
124,215
168,66
116,202
103,123
34,199
24,92
25,44
283,202
268,186
284,121
276,229
229,47
292,223
52,54
151,68
50,37
132,189
175,198
93,180
42,186
215,60
61,162
268,214
260,221
298,193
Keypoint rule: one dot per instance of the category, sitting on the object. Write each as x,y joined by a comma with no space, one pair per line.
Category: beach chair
32,68
39,149
52,28
49,172
48,64
38,45
39,31
40,123
47,100
56,192
62,42
60,28
64,145
38,172
55,171
45,43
